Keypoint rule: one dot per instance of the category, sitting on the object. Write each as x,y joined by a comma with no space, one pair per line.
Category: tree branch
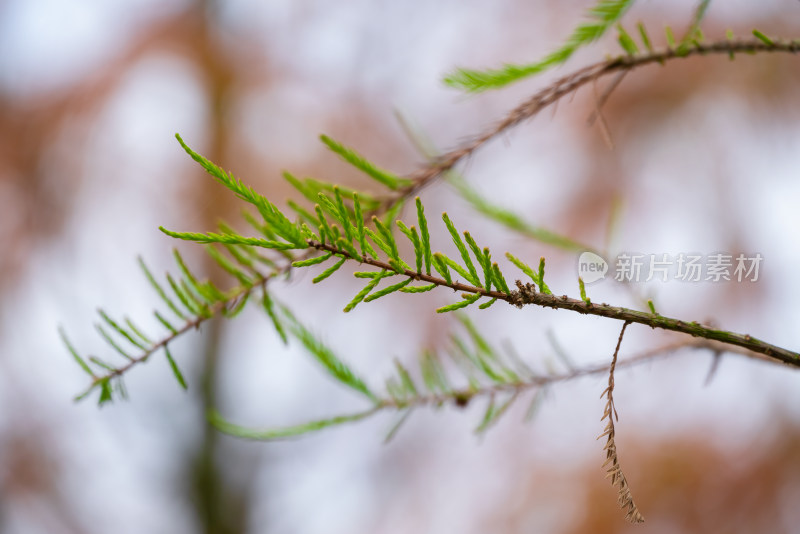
527,294
571,83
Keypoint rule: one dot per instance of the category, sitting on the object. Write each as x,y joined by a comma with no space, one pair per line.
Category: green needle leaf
121,331
312,261
269,307
468,299
511,220
397,425
74,352
426,237
105,335
493,413
763,38
359,162
460,270
411,234
160,290
106,393
645,38
405,378
602,16
525,268
441,267
325,356
487,304
391,289
626,41
582,287
366,289
670,37
166,323
418,289
542,286
481,257
274,218
386,234
461,249
498,278
175,370
694,28
343,214
211,237
281,433
360,229
329,271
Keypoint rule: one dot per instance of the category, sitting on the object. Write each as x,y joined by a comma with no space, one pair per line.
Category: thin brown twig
601,120
571,83
212,311
527,109
603,98
539,381
527,294
462,397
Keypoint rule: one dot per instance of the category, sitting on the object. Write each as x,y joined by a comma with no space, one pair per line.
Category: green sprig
359,162
602,16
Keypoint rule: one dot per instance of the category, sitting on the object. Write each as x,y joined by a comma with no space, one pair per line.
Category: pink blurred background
705,160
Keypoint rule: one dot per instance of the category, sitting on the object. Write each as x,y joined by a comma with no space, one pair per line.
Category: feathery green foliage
194,301
424,234
626,41
441,267
325,356
342,231
359,162
763,38
542,285
487,371
175,370
582,288
538,278
354,226
388,290
161,293
648,45
329,271
512,221
372,284
467,300
274,219
74,353
269,308
694,27
601,16
670,37
282,433
231,239
473,275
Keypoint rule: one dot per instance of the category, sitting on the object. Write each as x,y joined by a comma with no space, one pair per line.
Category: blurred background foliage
705,159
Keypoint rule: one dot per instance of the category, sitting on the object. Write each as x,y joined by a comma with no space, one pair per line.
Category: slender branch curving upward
574,81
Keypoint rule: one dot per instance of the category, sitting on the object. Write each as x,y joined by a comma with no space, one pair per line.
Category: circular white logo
591,267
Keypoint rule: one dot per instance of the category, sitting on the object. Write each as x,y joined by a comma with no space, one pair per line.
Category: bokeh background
706,159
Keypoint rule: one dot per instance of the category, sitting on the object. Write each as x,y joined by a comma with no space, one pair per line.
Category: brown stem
571,83
527,294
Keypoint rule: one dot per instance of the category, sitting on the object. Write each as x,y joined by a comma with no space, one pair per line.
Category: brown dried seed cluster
611,465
